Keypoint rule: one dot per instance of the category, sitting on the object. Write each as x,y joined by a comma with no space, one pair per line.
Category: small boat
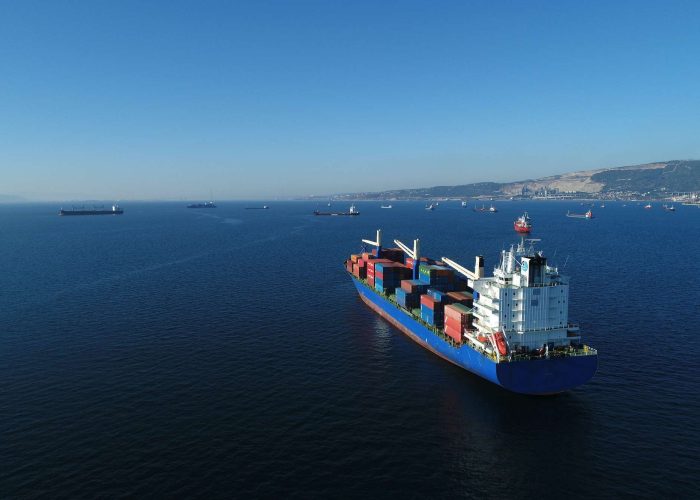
602,205
522,224
669,208
464,204
353,211
387,206
647,206
587,215
430,207
483,208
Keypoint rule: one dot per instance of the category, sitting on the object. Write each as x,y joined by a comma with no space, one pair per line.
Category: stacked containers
424,260
431,310
371,270
406,299
437,277
388,276
393,254
458,317
439,295
408,296
359,269
414,286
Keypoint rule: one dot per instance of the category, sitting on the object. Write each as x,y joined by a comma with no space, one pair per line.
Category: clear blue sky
257,99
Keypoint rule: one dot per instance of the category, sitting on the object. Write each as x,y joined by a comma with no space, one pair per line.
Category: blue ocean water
225,353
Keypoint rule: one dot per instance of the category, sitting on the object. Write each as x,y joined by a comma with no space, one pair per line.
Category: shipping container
373,262
431,302
407,300
455,335
458,311
438,295
414,286
431,317
393,254
461,298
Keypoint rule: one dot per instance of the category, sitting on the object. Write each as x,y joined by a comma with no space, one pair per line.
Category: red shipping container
456,311
456,335
371,263
430,302
456,324
367,256
362,263
370,273
379,274
370,281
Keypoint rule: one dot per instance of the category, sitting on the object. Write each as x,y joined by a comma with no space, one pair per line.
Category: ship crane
377,244
414,254
471,276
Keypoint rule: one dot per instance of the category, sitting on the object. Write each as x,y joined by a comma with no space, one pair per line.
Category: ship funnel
479,266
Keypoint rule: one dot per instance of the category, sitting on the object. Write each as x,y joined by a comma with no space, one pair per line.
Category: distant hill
650,179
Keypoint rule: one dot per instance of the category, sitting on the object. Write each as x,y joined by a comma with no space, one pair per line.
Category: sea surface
224,353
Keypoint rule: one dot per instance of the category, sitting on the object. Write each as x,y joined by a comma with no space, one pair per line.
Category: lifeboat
501,343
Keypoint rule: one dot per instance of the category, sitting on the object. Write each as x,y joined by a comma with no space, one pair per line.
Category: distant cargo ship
511,328
95,211
587,215
264,207
206,204
353,211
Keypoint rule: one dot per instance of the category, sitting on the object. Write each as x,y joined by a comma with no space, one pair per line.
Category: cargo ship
95,211
522,224
511,328
206,204
587,215
353,211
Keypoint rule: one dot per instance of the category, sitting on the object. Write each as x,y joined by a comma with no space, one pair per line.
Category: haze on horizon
176,100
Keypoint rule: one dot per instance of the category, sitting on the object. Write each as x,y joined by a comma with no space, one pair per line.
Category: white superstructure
525,299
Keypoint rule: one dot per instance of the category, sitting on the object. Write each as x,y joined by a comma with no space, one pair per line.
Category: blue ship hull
535,377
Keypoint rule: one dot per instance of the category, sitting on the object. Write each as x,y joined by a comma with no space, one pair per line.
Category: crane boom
378,242
460,269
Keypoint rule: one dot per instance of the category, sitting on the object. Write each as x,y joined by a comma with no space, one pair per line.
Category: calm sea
225,353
